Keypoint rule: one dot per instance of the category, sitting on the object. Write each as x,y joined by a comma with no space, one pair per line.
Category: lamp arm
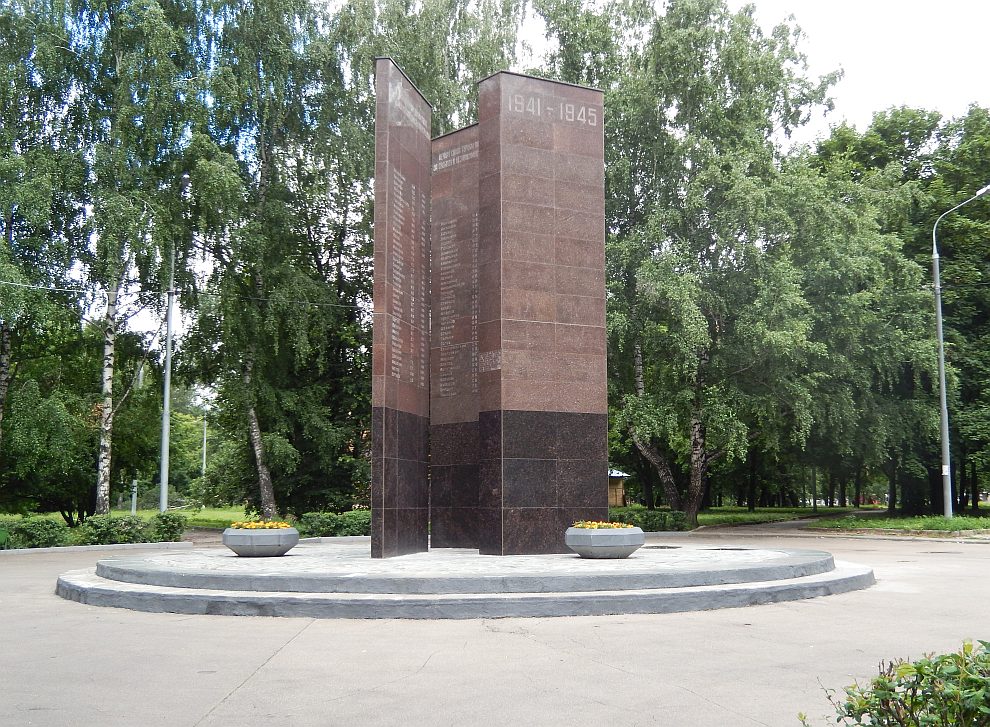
980,193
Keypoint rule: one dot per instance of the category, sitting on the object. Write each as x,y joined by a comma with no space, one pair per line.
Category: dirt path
202,536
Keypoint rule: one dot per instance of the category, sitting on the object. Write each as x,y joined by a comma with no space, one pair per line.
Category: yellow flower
600,524
260,524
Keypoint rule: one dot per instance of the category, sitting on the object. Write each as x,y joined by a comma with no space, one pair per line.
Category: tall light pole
943,406
167,393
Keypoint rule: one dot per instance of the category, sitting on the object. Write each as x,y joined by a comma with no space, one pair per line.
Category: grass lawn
208,517
959,522
742,516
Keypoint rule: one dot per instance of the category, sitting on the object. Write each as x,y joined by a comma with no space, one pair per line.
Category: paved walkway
70,664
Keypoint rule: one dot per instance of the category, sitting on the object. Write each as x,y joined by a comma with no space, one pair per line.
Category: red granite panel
579,252
572,280
529,395
528,305
530,365
528,247
578,169
401,345
531,132
529,276
582,197
528,335
490,395
521,217
581,397
580,309
580,367
490,336
455,281
541,336
582,141
579,225
529,190
581,339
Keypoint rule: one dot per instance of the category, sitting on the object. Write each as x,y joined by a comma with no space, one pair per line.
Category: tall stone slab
454,489
400,388
541,315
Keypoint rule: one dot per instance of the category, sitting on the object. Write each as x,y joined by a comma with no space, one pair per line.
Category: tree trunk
751,484
106,410
830,499
858,495
265,488
647,449
962,488
842,491
974,483
814,489
892,487
699,468
5,375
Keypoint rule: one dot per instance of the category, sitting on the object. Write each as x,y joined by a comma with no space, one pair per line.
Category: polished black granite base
400,495
539,472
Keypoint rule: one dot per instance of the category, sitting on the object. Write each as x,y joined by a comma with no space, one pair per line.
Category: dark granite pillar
400,389
541,323
454,341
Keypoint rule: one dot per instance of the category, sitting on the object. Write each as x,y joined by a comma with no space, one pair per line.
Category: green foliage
329,524
107,530
651,521
37,532
947,690
166,527
776,301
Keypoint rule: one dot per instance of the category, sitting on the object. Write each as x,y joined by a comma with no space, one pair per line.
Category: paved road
70,664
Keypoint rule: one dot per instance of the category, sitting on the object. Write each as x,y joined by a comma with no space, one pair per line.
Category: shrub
166,527
328,524
5,525
355,522
948,689
650,521
37,532
106,530
318,524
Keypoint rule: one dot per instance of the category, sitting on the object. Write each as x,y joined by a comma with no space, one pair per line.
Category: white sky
930,54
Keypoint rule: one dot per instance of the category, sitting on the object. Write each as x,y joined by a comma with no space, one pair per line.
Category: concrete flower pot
604,542
259,543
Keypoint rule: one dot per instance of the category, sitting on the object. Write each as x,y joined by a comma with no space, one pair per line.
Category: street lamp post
943,406
167,393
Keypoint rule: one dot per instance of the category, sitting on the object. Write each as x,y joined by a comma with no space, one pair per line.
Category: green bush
107,530
948,689
37,532
651,521
5,524
318,524
329,524
355,522
166,527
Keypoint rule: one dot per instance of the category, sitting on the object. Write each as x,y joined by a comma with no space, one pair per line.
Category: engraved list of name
455,293
409,249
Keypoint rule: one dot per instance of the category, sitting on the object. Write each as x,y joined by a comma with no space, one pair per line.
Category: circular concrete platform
341,580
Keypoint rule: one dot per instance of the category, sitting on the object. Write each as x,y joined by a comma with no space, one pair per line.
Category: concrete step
587,592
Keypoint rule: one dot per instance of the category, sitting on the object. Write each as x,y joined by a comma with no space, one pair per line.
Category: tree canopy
769,308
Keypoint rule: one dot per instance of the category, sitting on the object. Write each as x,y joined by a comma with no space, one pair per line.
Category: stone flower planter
604,542
260,542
